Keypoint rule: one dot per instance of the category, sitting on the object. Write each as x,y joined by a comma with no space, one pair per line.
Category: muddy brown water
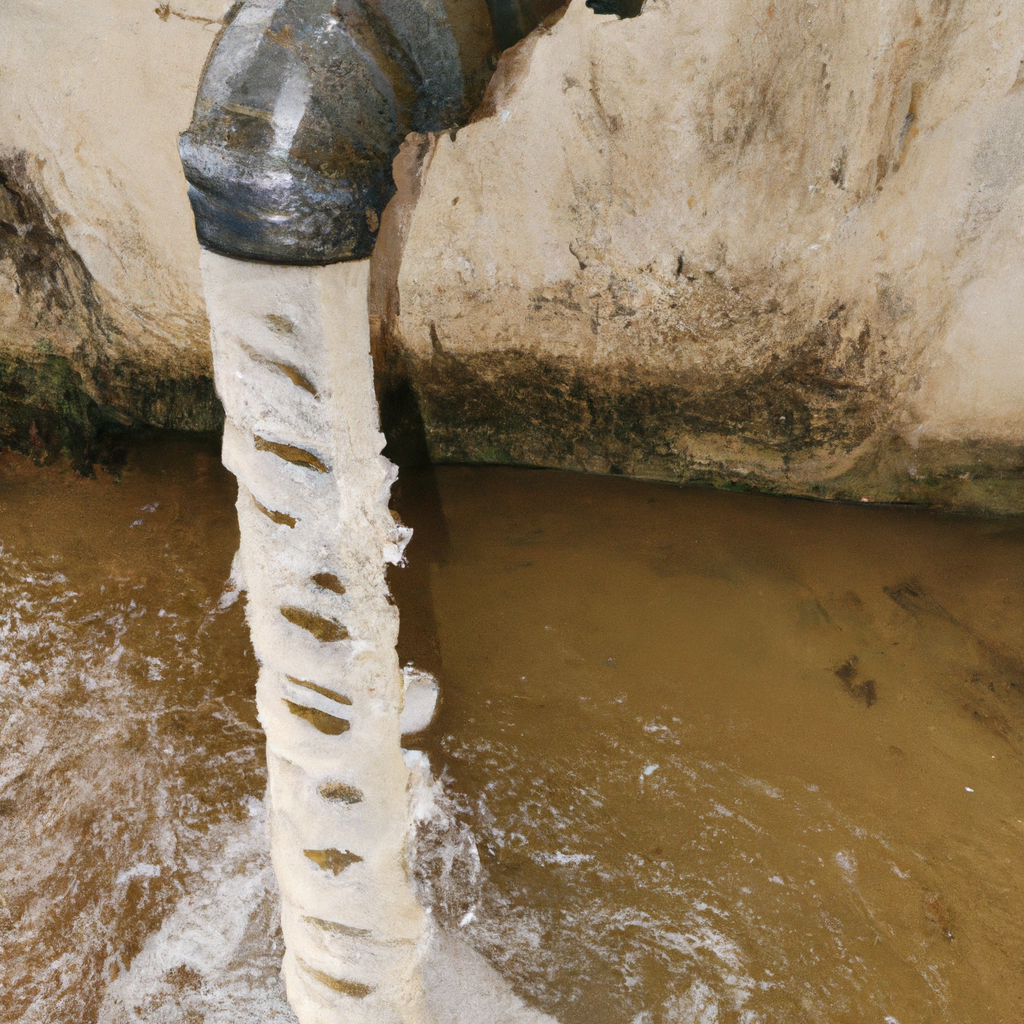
706,757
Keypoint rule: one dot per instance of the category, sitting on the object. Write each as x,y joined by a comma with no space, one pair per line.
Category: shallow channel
707,756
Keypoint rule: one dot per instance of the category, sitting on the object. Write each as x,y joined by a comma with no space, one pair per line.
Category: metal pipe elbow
302,107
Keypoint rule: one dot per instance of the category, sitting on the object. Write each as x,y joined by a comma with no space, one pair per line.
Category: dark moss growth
146,397
45,413
806,424
969,475
515,407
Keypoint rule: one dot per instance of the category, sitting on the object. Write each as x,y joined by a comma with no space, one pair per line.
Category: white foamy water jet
215,958
293,369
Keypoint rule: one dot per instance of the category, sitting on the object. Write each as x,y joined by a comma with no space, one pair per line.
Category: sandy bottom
705,757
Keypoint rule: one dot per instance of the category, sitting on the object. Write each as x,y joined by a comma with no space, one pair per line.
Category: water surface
730,757
707,757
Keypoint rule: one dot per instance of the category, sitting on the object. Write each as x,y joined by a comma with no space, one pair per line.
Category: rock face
775,245
778,245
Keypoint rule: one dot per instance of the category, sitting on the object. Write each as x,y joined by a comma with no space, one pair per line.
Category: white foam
139,871
216,956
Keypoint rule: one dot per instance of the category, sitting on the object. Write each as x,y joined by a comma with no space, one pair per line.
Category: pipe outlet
300,112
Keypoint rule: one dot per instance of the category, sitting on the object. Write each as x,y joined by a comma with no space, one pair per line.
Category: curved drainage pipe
300,112
302,108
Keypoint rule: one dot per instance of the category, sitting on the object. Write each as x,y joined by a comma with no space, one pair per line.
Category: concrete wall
776,243
101,310
773,245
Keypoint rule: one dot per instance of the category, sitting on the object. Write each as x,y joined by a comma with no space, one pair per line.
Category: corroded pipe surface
301,110
515,19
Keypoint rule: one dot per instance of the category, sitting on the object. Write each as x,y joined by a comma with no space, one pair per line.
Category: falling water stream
705,756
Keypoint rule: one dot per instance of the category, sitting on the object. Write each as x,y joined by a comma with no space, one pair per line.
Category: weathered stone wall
773,245
777,244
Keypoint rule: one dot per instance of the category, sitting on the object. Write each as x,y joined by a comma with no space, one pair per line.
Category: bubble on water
847,864
565,859
138,871
697,1006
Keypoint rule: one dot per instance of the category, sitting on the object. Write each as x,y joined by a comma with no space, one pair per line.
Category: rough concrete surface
775,245
772,245
100,297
